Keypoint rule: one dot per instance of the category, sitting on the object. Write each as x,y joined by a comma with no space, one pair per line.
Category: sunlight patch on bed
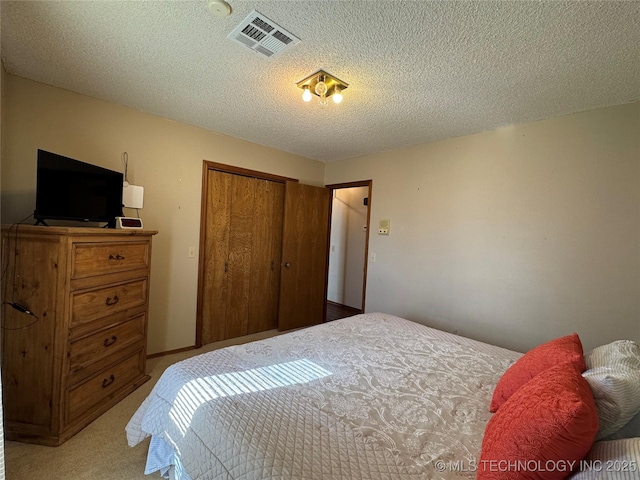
201,390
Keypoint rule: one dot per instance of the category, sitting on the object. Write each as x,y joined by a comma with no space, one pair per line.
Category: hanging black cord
15,250
21,309
16,306
125,162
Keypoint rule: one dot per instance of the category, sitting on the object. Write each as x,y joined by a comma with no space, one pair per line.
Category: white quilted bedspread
369,397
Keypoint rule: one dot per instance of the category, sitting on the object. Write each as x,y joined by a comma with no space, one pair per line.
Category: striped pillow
613,460
613,373
630,430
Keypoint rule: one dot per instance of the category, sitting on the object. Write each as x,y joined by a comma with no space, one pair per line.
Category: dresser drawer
91,259
90,305
103,386
91,348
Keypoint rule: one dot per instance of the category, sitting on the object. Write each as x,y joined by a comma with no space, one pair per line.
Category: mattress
368,397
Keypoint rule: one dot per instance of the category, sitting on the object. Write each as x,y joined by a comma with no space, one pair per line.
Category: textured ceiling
418,71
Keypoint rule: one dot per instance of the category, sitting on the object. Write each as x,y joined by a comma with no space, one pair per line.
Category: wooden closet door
243,197
215,267
241,253
266,253
304,255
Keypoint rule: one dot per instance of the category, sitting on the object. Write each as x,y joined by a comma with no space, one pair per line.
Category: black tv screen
68,189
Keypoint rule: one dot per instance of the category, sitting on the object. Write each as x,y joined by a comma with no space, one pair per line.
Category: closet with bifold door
263,253
242,240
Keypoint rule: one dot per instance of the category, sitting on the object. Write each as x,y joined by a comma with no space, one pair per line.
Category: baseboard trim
171,352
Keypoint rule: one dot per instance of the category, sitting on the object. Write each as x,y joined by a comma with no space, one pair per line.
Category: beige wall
512,236
164,156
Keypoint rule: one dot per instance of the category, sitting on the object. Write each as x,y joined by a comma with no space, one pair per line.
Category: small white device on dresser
132,197
129,222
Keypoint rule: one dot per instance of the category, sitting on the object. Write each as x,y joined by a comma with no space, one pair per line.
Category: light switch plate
384,226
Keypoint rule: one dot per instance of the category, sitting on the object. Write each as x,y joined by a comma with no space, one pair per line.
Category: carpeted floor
100,451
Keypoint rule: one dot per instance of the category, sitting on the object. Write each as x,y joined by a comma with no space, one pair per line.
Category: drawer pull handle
110,341
108,381
116,257
112,301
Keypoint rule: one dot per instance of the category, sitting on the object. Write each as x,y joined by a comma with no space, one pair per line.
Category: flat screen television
69,189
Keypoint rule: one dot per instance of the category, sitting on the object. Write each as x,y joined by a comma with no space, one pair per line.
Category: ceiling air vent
262,35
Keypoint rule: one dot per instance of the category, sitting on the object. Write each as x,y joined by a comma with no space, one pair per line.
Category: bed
378,397
368,397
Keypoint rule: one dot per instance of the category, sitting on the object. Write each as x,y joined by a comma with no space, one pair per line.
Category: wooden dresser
86,350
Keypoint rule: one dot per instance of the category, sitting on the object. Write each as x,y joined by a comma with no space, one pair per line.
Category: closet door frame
206,167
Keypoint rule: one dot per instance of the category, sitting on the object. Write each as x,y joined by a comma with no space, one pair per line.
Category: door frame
338,186
206,166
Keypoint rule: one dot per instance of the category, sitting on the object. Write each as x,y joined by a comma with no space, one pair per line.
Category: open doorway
348,249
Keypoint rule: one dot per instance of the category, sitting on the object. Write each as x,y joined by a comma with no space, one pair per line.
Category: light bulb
337,96
321,87
323,102
306,95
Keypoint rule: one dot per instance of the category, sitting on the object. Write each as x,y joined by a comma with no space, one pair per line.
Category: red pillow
554,352
543,430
